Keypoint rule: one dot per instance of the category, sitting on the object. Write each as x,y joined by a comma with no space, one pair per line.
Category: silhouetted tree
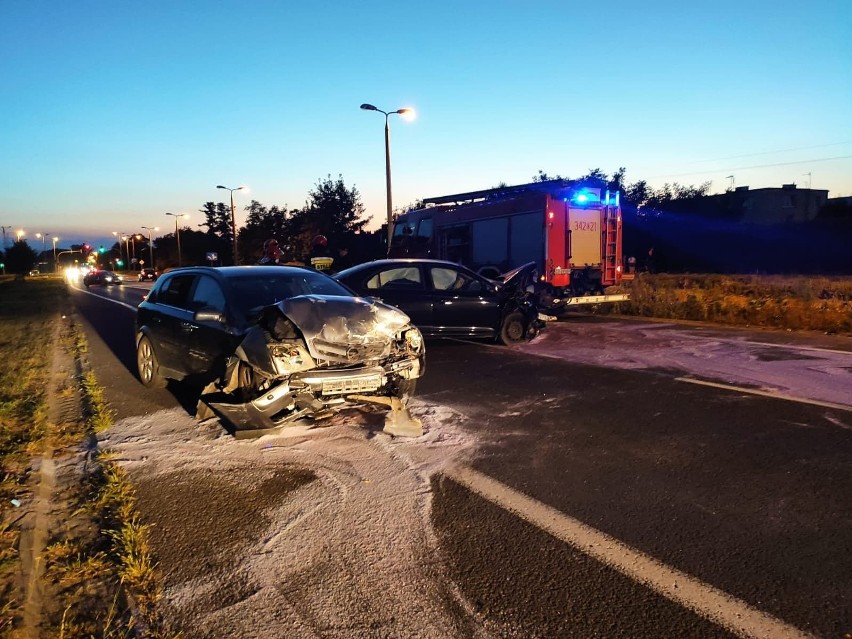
20,258
263,223
331,210
219,236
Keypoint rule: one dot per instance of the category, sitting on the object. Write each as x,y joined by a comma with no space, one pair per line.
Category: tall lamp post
177,216
150,229
55,240
118,239
126,238
233,218
407,114
133,239
42,236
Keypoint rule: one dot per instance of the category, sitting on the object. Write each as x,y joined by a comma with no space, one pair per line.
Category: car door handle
187,326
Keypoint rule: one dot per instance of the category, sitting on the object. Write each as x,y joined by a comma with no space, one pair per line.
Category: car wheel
245,383
513,328
149,367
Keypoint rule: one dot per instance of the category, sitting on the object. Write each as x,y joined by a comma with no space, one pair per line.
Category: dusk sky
116,112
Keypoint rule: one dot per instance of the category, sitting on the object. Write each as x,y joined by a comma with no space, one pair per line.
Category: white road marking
754,391
108,299
707,601
794,347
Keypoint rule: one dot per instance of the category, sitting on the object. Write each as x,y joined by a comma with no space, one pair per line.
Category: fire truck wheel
513,329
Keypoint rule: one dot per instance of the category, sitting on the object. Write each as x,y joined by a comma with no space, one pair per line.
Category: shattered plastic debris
16,503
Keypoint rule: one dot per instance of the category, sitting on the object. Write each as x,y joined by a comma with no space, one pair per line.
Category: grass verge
99,580
821,304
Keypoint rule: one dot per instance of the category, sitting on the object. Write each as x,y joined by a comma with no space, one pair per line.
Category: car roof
228,272
398,261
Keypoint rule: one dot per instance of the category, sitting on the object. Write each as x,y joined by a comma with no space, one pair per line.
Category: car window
175,292
449,279
254,291
208,294
398,277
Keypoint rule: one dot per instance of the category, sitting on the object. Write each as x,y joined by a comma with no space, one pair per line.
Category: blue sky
114,113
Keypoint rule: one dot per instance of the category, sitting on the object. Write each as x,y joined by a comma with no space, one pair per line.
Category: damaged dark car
276,345
444,299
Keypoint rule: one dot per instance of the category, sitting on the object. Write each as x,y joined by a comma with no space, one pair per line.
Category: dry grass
104,585
797,303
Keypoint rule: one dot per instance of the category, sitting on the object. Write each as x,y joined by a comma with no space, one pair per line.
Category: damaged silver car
276,345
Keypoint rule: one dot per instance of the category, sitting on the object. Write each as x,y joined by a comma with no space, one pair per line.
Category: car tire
245,383
148,365
513,329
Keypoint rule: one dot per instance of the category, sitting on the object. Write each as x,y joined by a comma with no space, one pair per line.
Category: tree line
653,218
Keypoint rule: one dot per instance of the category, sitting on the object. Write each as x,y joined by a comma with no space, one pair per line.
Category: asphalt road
686,507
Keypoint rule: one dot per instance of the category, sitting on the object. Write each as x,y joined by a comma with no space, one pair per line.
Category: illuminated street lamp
233,219
151,242
126,239
55,240
177,233
118,239
133,239
20,234
408,114
42,236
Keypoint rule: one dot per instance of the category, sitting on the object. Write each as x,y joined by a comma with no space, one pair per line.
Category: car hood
344,329
521,277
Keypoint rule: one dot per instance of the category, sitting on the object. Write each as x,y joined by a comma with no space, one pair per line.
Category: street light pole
133,239
55,240
126,239
407,113
177,233
233,218
151,242
117,237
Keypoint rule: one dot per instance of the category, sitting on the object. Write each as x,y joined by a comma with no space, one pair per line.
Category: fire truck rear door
585,227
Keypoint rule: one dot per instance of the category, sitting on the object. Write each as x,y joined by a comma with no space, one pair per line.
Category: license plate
354,385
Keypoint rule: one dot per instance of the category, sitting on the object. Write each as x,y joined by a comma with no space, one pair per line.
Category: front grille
351,353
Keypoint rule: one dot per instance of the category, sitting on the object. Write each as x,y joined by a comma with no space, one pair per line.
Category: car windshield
252,291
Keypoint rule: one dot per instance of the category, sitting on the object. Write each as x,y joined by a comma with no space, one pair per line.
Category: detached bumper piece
310,395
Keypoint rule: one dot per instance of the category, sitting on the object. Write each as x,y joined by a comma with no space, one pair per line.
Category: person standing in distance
320,257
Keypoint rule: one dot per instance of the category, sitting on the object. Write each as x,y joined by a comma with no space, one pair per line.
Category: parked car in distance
101,277
444,299
148,275
275,344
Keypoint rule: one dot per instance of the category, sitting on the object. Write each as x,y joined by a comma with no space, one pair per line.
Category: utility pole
4,235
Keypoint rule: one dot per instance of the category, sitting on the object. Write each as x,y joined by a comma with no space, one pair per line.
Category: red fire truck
572,232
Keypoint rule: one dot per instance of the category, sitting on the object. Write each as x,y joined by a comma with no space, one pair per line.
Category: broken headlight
414,340
290,357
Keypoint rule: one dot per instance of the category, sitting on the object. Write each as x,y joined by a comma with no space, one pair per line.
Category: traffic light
102,250
119,263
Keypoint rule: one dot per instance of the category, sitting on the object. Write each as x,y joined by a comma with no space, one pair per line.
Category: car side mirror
209,315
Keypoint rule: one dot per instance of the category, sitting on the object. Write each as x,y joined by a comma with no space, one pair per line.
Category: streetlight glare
407,114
